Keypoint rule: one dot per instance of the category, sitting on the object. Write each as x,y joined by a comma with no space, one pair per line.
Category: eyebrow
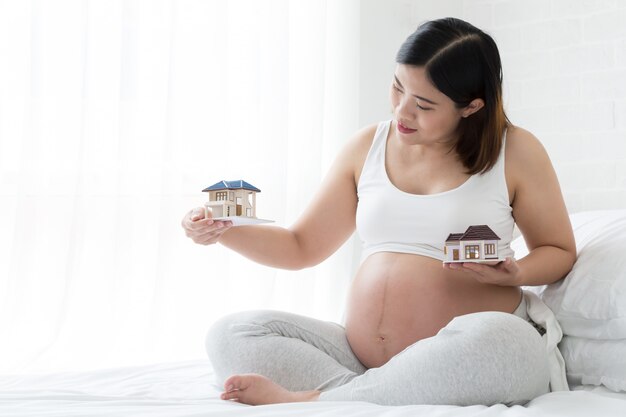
421,98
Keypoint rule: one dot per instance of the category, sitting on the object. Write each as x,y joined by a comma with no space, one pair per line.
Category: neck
437,152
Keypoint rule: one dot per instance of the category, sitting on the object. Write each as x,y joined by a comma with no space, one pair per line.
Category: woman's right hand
201,228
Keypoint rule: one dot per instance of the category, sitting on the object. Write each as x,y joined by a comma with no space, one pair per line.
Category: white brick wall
564,65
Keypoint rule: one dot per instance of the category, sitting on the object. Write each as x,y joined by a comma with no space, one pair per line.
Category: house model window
232,198
476,244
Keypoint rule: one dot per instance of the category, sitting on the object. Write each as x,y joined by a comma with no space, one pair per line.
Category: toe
231,388
232,395
233,382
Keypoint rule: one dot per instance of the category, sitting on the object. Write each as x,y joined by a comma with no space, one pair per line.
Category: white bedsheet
185,389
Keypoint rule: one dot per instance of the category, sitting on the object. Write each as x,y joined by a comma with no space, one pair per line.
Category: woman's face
423,114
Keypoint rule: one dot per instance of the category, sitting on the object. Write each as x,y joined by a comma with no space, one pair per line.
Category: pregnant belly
397,299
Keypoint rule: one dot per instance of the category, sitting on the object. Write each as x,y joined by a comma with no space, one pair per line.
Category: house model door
239,211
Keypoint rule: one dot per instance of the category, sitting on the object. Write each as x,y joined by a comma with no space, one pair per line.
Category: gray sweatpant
480,358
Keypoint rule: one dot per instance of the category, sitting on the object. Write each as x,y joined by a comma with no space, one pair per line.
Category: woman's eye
399,90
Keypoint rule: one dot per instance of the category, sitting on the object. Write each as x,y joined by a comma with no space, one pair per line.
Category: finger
205,229
198,230
215,226
211,237
191,218
209,234
196,216
199,213
472,266
508,264
470,271
206,236
200,225
460,266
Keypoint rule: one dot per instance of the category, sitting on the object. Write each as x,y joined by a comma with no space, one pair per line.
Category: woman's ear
473,107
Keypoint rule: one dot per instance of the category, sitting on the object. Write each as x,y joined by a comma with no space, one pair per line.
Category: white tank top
391,220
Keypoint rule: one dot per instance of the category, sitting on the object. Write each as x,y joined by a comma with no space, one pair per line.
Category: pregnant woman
417,331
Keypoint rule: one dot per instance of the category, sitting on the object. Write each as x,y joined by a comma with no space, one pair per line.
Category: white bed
590,305
185,389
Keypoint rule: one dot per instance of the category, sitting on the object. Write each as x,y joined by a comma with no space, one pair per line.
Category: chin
413,137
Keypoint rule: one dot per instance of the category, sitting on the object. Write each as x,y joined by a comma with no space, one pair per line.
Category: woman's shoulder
522,147
361,141
525,157
356,149
365,135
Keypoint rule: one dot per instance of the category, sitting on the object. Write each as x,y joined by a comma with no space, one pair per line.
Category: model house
232,198
477,243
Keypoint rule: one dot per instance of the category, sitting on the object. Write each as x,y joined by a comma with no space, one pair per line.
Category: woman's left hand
504,273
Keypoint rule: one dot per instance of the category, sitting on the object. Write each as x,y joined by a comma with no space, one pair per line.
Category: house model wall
477,243
232,198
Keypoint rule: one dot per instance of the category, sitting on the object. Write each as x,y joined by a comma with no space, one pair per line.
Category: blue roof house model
232,198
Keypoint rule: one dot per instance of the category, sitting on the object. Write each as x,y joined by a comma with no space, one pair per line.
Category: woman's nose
406,109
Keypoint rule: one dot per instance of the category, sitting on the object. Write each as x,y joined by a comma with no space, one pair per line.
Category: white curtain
114,115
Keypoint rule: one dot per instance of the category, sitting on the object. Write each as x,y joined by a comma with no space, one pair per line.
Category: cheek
446,125
428,121
439,121
433,125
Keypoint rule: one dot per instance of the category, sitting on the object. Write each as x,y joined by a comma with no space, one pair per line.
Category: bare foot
256,389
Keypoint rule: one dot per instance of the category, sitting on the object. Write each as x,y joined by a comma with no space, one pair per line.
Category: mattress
185,389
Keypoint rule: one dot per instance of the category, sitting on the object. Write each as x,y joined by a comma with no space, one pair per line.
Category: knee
224,335
521,356
217,337
511,336
494,325
519,332
511,333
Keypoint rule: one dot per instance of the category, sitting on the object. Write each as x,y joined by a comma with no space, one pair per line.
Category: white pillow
591,301
595,362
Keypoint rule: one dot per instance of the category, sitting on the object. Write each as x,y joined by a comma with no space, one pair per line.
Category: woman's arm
539,211
323,227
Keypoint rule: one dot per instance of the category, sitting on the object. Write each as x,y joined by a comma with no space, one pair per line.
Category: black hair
463,63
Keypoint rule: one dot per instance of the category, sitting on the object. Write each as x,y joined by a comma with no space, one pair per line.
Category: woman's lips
404,129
